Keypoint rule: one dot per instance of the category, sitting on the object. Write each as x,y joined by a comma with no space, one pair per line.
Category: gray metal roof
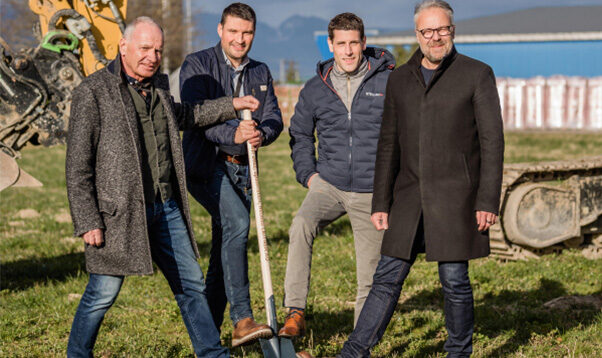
521,25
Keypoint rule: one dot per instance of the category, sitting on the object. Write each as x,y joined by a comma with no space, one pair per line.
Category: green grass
42,272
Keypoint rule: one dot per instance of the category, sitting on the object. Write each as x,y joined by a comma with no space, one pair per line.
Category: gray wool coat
440,155
103,167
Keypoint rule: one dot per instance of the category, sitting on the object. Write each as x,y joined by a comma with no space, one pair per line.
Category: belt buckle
239,159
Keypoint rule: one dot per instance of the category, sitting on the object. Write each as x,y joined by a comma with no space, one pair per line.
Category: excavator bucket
12,175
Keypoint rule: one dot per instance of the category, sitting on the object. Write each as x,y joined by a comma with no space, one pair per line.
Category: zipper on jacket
349,99
349,104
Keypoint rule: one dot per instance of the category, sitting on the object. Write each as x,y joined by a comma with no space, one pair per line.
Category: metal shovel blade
287,350
276,347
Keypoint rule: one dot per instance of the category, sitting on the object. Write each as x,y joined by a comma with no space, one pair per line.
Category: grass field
43,274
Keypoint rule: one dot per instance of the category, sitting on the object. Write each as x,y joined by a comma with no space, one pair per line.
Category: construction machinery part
548,207
12,175
77,37
35,91
97,23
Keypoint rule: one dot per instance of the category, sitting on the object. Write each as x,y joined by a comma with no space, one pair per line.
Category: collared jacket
440,155
206,75
347,140
104,167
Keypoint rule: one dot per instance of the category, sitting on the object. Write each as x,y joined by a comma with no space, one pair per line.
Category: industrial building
546,60
544,41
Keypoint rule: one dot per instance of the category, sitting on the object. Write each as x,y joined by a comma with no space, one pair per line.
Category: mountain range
292,40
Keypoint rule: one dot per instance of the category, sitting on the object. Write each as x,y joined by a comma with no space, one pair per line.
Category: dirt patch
72,240
569,302
16,223
27,214
73,297
62,217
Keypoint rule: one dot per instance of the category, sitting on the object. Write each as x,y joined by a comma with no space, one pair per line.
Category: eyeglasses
441,31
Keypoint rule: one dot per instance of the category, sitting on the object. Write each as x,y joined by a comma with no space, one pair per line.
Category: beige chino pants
324,204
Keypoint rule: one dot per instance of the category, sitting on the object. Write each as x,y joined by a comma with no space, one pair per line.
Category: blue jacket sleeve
222,133
302,143
271,119
196,84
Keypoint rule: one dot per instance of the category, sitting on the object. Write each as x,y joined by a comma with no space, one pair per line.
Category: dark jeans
389,277
227,197
172,252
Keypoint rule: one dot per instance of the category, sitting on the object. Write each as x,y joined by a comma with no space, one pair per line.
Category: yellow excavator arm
97,24
79,37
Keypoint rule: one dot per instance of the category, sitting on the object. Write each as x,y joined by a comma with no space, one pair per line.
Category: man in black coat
126,186
438,176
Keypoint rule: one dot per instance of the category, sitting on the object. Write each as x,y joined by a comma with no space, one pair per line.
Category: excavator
78,37
545,207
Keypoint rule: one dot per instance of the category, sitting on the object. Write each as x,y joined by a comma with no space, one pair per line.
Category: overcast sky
380,13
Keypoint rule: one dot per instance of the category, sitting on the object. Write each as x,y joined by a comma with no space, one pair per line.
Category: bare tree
169,14
292,72
403,53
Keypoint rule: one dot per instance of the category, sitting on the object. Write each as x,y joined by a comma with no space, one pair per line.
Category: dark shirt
157,168
427,74
144,88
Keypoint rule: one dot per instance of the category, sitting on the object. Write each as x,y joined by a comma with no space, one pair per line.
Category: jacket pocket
466,169
107,207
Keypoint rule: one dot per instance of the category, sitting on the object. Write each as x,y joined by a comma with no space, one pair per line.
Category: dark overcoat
440,155
103,167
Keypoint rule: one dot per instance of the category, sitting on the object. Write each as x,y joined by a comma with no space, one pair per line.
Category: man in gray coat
437,180
127,190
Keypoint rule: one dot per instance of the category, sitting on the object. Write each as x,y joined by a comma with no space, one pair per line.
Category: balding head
141,48
129,29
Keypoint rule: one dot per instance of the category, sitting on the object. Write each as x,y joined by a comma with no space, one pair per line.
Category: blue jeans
172,252
390,274
227,197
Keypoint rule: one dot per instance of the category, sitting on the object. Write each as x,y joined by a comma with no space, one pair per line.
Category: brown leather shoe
294,325
247,331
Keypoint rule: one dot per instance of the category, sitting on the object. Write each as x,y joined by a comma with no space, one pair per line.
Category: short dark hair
240,10
346,21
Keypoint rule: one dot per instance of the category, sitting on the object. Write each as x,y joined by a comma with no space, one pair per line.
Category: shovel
275,347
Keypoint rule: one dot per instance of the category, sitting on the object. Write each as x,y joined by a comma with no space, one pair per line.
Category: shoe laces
295,314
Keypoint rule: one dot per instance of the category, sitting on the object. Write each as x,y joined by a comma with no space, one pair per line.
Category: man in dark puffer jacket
344,105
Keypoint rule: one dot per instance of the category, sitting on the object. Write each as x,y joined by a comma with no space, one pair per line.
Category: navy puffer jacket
347,141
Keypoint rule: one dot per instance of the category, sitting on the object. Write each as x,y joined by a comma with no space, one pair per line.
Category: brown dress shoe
294,325
247,331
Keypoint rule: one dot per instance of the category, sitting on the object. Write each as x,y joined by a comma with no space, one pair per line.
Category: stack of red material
557,102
